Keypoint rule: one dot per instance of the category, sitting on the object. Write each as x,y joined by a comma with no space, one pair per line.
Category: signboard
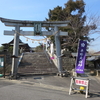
1,62
80,62
81,82
37,29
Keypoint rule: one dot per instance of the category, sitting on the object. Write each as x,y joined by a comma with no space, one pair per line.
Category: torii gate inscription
37,31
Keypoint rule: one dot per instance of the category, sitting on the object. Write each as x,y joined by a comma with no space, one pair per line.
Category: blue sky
37,10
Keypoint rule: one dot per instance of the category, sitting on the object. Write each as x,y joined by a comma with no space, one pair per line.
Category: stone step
36,63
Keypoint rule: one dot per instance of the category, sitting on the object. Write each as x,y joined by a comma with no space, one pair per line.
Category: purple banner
81,57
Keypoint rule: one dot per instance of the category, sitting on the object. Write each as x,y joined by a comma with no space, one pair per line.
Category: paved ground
62,83
45,87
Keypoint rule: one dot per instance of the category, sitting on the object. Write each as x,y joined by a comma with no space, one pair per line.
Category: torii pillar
15,52
58,50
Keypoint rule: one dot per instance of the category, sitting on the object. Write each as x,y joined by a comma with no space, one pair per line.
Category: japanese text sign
81,82
81,57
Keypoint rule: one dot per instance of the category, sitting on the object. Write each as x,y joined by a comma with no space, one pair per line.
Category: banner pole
76,57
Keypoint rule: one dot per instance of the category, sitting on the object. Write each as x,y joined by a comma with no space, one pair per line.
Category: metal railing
20,58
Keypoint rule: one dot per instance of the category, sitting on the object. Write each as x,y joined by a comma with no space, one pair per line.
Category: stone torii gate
37,31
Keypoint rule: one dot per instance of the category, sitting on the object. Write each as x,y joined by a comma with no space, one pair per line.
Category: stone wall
68,63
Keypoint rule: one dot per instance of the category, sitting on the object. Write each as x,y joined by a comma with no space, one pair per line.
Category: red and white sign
81,82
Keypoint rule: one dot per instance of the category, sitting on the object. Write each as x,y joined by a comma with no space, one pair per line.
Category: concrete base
63,74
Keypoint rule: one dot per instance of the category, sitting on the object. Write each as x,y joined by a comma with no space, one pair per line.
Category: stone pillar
58,50
15,52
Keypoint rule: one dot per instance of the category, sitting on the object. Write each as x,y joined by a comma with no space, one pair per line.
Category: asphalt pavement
55,83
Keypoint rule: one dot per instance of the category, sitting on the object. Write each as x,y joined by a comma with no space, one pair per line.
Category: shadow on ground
93,95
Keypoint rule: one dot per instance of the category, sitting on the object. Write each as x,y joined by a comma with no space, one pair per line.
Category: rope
36,39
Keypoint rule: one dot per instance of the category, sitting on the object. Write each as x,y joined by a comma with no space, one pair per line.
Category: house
23,47
95,58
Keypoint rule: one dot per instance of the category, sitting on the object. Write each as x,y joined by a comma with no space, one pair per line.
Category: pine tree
77,29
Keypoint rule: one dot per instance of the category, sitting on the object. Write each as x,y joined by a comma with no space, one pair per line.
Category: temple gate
37,31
